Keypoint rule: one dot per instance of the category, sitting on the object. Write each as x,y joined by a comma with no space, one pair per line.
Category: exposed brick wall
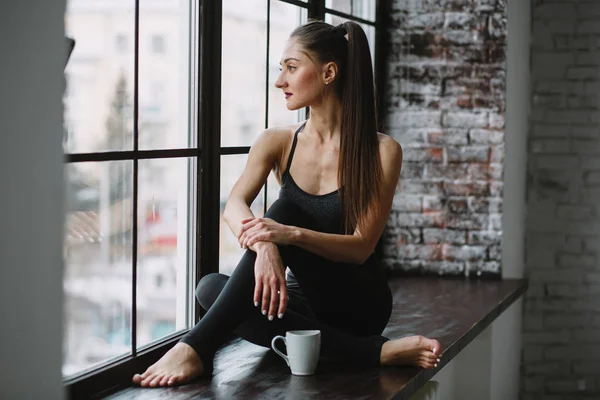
561,358
445,105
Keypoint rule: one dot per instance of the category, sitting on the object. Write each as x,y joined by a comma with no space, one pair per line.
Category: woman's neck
325,120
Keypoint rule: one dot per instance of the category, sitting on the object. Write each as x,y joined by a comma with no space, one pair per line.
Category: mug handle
287,361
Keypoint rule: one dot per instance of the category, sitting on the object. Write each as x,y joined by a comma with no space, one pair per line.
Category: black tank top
325,209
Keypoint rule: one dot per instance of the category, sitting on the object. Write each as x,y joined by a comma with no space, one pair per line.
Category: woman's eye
290,68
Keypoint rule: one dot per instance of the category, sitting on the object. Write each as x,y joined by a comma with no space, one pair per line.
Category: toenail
434,349
435,365
264,312
270,318
438,360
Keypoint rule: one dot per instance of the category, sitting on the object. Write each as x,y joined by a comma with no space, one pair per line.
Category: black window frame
208,151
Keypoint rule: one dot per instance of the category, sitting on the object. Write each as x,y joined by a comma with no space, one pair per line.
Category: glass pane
284,19
369,31
243,97
364,9
99,76
164,223
164,86
230,252
97,253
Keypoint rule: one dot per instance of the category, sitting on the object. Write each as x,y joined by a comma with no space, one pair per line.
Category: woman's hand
264,230
270,290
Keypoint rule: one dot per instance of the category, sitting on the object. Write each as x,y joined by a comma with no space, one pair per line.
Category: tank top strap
289,163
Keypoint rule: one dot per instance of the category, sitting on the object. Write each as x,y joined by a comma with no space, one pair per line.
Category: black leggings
350,304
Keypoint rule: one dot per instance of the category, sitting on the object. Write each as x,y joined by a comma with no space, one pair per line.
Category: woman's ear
330,71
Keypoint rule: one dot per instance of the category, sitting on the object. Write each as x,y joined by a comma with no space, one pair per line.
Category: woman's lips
288,95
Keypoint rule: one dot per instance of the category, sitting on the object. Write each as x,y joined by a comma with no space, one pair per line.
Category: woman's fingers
274,303
247,234
247,220
247,224
283,299
266,297
257,292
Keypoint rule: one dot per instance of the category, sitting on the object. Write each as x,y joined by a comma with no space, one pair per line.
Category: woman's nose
279,82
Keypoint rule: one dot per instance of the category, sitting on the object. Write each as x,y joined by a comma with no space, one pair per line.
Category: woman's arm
270,290
263,155
355,248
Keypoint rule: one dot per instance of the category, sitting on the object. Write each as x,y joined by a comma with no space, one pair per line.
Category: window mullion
134,225
268,44
316,9
382,19
209,128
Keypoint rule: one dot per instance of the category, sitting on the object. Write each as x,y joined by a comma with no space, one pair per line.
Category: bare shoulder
275,143
275,140
389,149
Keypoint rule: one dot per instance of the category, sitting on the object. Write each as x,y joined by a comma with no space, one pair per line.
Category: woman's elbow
363,256
227,210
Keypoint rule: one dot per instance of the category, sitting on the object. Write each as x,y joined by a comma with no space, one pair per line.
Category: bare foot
413,350
177,366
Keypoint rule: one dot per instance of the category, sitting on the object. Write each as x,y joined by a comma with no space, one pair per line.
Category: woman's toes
154,382
146,382
436,348
137,378
175,379
164,380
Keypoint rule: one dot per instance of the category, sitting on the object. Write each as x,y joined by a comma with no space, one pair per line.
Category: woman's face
299,78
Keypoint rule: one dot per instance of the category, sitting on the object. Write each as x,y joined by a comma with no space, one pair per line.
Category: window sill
453,311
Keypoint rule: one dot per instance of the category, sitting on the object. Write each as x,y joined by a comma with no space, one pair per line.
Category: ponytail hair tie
340,30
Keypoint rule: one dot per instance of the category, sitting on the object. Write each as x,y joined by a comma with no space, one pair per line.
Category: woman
334,202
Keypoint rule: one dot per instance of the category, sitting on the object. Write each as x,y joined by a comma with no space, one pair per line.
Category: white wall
496,353
488,368
506,339
467,376
31,198
507,346
518,100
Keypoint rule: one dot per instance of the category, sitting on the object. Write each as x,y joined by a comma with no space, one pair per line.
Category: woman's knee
286,212
209,288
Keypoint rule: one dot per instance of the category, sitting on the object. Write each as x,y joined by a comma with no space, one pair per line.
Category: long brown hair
359,169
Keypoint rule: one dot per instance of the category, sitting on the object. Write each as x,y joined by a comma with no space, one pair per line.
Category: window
130,237
158,44
254,35
143,222
121,44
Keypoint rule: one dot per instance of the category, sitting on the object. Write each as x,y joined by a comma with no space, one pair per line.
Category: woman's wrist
295,235
262,246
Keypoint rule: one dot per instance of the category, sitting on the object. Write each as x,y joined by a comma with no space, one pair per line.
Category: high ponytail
359,171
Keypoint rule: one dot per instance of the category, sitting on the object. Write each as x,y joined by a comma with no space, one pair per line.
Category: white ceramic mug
303,349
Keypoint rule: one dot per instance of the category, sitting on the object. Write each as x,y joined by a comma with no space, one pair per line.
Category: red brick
423,154
467,189
420,251
458,206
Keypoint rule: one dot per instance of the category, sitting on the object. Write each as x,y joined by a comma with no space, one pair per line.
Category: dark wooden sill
453,311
